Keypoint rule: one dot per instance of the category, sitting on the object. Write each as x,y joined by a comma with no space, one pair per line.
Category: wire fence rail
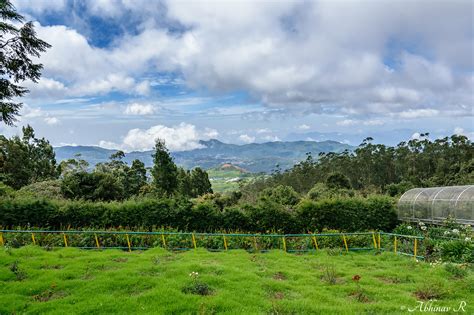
407,245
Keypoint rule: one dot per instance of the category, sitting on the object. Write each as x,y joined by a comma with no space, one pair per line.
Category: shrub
457,251
283,195
348,214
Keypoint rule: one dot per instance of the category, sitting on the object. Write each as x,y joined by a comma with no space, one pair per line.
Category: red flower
356,278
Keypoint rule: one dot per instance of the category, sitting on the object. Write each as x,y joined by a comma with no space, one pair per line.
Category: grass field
224,180
71,281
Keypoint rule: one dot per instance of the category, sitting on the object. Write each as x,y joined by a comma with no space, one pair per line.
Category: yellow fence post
284,243
33,238
395,245
194,241
2,241
65,239
379,240
225,243
315,242
255,243
414,250
97,241
163,240
128,243
373,237
345,243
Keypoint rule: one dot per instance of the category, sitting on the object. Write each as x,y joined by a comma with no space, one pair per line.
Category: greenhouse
437,203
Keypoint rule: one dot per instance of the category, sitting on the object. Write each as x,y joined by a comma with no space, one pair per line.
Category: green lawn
71,281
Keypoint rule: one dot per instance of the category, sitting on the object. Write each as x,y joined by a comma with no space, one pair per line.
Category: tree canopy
18,44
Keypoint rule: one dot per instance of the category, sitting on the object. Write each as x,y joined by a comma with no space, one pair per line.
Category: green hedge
345,214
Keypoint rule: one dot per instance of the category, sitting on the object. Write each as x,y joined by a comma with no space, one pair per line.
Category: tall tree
18,44
26,160
200,182
164,171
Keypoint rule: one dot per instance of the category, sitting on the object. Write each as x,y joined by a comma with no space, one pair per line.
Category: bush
348,214
283,195
457,251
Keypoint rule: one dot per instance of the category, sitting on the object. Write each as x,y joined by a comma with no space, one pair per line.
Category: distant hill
254,157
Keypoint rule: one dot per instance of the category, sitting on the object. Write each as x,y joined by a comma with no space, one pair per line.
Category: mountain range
254,157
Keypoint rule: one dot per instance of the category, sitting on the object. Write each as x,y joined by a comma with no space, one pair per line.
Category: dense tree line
28,164
377,168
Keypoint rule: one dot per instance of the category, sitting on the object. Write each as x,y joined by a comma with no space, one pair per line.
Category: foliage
282,195
349,214
376,168
49,189
26,160
354,214
338,180
164,171
18,45
322,191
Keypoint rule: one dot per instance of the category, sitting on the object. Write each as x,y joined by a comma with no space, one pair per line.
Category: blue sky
121,73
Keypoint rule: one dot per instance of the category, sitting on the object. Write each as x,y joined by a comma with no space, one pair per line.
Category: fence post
315,242
345,243
33,238
65,239
194,241
225,243
284,243
2,241
163,240
128,243
379,240
395,245
375,242
415,249
97,241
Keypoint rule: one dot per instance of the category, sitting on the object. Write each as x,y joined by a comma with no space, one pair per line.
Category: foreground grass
116,282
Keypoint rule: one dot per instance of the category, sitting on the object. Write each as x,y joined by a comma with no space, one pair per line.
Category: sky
122,73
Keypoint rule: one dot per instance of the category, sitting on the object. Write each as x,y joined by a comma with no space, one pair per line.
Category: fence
293,243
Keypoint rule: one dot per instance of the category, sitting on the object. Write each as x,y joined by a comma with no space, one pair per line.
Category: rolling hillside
254,157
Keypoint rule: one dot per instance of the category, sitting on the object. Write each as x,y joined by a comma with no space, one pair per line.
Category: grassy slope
220,179
119,282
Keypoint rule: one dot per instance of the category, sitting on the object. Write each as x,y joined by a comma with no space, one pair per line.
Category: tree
338,180
26,160
200,182
136,178
17,46
164,171
185,187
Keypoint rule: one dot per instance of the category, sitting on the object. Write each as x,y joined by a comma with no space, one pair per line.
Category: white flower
446,232
421,223
455,231
467,239
409,227
423,228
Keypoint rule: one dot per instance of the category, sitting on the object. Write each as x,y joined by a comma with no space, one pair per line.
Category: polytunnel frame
453,204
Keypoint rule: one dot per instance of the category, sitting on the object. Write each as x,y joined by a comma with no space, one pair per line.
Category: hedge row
345,214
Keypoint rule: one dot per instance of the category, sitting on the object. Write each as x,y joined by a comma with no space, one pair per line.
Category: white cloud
210,133
355,122
416,136
139,109
177,138
51,120
271,138
418,113
246,138
304,127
